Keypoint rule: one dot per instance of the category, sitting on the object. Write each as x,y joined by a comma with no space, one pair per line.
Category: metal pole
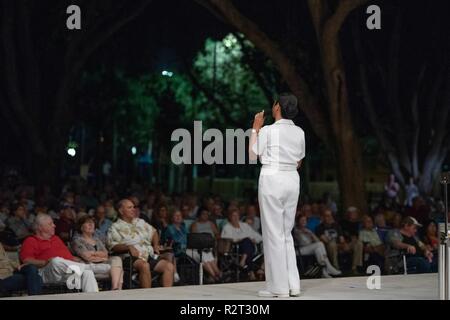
444,250
405,266
200,270
441,267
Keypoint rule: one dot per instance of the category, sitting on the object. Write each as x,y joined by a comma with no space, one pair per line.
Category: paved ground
401,287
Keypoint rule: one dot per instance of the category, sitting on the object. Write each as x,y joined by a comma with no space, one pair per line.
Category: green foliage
149,106
137,111
220,70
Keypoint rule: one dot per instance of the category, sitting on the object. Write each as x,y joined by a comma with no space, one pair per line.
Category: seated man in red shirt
55,262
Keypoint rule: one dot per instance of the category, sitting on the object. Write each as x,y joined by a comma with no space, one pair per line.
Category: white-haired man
56,264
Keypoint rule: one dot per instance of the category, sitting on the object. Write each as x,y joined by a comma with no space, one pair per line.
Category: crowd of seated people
390,231
103,230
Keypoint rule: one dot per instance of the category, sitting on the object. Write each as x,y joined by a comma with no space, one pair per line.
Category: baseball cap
411,220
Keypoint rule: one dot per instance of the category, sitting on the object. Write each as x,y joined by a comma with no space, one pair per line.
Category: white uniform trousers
278,193
60,270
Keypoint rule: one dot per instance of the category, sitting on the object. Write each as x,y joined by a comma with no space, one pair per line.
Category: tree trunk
348,151
45,143
347,148
419,132
340,138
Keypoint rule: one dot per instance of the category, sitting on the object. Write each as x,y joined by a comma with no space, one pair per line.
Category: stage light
71,152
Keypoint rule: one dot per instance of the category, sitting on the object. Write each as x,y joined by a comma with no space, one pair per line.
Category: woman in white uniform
281,148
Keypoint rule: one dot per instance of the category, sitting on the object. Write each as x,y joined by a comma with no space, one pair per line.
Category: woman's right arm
81,250
313,236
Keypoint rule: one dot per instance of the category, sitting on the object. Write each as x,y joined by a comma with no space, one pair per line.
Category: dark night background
93,89
88,116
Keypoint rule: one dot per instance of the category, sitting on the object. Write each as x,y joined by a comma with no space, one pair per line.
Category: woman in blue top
176,234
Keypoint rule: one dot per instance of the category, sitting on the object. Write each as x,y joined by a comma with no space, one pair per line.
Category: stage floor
398,287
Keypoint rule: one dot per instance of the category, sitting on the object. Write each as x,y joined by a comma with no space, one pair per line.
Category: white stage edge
397,287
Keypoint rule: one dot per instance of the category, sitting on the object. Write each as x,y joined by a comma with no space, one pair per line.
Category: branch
319,12
31,67
213,10
309,104
432,100
439,147
394,102
416,123
327,26
73,66
12,80
333,25
374,119
79,37
262,82
378,66
210,96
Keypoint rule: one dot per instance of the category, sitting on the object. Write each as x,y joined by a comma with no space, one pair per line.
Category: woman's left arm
215,230
155,242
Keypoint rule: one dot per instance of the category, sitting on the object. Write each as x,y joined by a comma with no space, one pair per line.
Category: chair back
200,240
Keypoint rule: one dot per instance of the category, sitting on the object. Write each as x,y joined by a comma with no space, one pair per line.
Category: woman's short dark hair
288,104
201,210
82,221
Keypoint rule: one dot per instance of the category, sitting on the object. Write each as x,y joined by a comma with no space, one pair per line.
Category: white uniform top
280,145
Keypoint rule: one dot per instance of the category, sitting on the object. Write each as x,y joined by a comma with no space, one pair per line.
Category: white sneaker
176,277
325,274
294,293
268,294
333,271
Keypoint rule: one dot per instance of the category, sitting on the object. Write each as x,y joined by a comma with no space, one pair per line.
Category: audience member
92,250
56,264
309,244
419,259
134,236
